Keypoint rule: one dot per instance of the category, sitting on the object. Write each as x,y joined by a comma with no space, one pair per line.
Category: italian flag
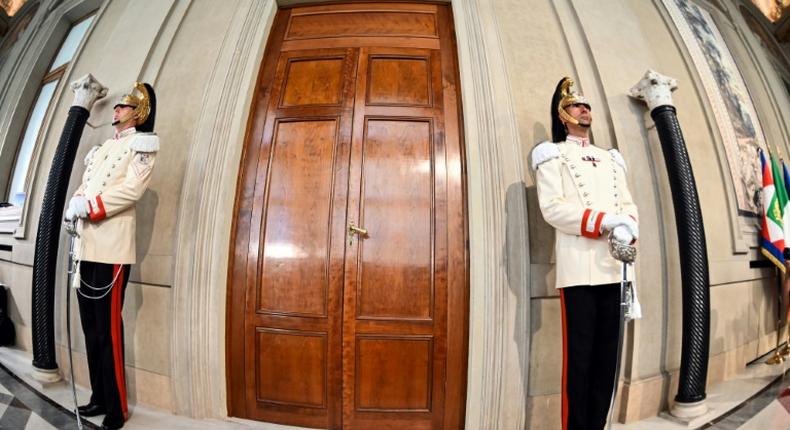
772,239
786,209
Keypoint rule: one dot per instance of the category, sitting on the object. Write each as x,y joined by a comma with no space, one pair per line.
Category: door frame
498,344
458,273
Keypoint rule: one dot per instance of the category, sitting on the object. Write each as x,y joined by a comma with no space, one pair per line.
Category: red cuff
97,212
591,223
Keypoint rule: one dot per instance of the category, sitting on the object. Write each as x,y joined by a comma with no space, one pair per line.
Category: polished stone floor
22,407
759,399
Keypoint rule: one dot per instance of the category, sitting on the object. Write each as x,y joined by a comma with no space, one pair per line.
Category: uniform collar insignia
581,141
124,133
591,159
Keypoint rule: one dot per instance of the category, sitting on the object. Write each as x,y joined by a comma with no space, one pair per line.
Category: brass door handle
352,229
359,231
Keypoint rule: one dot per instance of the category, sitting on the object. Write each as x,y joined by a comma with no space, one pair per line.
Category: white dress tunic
577,184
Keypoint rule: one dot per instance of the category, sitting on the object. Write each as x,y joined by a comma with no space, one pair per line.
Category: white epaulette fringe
145,143
618,158
90,154
544,152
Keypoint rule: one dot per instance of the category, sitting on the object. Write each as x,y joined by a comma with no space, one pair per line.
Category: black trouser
102,324
590,325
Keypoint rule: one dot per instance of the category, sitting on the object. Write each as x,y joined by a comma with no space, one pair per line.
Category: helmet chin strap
125,119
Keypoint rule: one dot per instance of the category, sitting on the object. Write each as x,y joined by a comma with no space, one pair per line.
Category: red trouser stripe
564,363
116,327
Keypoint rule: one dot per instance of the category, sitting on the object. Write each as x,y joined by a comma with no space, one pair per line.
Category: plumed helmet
564,97
143,100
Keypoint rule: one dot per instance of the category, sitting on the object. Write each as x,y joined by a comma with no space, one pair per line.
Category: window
16,190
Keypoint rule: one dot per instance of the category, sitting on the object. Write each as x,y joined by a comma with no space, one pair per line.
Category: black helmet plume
148,125
558,131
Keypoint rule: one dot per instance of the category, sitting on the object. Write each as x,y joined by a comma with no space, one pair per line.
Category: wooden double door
348,293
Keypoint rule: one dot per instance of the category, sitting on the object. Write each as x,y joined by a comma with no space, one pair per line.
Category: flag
780,191
772,242
786,212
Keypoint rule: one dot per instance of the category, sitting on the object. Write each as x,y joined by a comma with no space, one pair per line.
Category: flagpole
783,302
777,357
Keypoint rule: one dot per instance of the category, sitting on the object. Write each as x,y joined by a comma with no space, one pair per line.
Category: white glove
609,222
78,208
622,235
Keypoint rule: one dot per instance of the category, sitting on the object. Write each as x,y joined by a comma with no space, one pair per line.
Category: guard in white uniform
583,194
116,176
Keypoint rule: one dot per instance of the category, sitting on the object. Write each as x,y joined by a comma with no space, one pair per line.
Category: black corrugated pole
656,90
86,91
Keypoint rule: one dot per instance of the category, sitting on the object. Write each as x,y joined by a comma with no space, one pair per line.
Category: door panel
337,328
399,81
313,25
294,268
381,362
296,244
286,381
397,209
303,89
395,284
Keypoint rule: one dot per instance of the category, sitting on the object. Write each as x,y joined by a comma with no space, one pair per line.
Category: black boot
112,423
91,410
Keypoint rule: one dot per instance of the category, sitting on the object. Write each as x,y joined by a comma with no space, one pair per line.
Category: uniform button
586,194
105,157
103,184
581,184
576,175
108,174
588,203
113,166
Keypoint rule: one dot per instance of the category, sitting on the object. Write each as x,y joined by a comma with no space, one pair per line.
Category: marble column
656,91
86,91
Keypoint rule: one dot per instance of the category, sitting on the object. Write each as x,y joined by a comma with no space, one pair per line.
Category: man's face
120,113
581,112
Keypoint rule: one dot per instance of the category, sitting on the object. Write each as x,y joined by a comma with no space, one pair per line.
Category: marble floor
758,399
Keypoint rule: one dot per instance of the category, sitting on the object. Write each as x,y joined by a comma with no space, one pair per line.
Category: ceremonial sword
71,229
626,254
